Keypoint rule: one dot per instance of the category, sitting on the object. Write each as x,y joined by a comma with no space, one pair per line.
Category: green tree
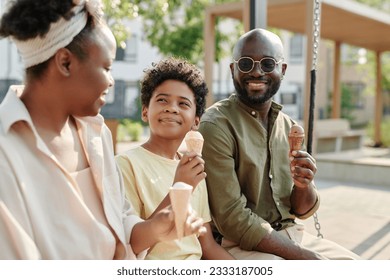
174,27
116,13
384,6
347,105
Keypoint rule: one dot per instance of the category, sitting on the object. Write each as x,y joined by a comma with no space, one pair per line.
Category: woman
61,196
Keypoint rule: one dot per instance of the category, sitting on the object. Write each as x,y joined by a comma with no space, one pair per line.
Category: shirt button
253,113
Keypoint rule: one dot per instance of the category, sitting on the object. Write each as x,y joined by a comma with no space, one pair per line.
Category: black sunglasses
267,64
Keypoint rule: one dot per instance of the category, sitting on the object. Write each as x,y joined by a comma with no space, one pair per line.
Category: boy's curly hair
179,70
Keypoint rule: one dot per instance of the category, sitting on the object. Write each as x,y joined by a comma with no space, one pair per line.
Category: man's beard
242,93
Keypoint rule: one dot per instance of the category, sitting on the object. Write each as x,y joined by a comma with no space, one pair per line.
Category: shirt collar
12,109
275,107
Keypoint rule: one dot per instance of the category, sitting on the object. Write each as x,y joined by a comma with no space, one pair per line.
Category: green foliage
137,116
386,72
382,5
176,27
385,130
347,105
129,130
116,12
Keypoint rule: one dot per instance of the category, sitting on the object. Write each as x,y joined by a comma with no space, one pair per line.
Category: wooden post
211,13
246,15
209,53
378,101
336,98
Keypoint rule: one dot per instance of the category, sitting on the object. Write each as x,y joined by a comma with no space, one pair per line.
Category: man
257,187
61,196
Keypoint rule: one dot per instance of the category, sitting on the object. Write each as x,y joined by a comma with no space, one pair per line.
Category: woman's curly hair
179,70
28,19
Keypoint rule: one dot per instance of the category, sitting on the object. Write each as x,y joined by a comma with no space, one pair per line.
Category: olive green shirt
248,171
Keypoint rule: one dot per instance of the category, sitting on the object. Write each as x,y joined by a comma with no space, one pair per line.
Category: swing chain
317,225
316,44
316,32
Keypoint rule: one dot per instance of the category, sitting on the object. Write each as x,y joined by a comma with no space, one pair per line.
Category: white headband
39,49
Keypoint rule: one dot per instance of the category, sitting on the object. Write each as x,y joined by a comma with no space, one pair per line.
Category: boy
173,100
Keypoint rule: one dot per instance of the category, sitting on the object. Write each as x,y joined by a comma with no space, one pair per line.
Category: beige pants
298,234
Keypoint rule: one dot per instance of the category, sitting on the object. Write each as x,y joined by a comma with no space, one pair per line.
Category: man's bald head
261,38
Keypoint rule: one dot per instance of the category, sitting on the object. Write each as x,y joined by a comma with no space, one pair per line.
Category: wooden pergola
342,21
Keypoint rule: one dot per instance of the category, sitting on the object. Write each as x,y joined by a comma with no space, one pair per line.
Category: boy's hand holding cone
180,192
191,166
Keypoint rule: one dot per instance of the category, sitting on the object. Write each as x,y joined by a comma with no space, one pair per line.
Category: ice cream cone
180,195
296,137
194,141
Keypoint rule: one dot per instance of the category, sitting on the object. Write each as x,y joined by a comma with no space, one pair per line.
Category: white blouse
45,213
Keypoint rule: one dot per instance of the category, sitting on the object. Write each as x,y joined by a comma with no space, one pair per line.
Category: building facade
123,100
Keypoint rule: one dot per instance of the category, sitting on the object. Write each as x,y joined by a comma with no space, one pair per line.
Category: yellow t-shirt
147,179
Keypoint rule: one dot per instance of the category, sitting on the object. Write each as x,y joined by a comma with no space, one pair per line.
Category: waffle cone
180,195
296,137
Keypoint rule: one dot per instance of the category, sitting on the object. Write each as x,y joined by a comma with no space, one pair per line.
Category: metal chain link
317,225
316,44
316,31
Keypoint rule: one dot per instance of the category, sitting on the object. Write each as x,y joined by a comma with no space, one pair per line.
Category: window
131,50
296,49
110,97
289,98
131,101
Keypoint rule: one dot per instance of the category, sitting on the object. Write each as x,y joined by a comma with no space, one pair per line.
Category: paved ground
356,216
